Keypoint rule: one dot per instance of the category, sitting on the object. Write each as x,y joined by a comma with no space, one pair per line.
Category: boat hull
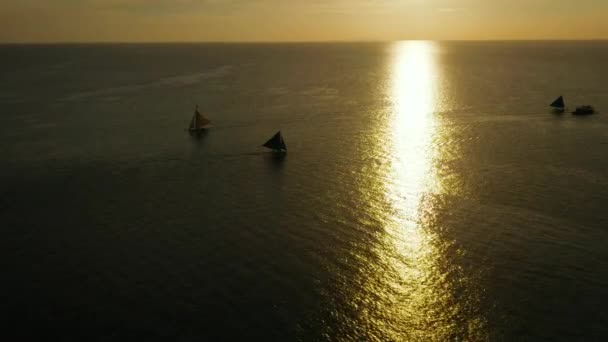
584,112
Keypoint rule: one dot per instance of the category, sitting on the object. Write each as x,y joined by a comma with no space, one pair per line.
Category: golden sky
290,20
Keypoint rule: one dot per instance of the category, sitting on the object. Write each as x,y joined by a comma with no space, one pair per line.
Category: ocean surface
428,192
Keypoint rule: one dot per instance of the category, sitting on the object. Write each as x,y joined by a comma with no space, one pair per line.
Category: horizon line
168,42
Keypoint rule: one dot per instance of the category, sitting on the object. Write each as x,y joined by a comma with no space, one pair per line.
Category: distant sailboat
558,105
276,143
198,122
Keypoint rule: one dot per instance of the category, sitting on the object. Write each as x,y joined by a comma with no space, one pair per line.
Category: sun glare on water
413,290
413,128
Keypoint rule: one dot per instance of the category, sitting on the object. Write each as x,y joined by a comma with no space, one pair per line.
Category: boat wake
173,81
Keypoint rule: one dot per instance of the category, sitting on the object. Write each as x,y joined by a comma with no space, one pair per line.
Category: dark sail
559,103
276,142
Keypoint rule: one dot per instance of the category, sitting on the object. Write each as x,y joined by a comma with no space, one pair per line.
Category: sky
291,20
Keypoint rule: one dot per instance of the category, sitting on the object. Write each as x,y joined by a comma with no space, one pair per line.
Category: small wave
321,92
278,91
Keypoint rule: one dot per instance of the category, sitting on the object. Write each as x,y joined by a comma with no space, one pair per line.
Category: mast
196,117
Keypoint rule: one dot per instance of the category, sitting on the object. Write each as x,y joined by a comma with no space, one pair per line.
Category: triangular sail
201,121
558,103
198,121
276,142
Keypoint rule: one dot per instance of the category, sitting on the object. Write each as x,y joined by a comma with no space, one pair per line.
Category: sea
428,192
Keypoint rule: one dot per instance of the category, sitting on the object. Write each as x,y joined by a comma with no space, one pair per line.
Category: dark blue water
428,192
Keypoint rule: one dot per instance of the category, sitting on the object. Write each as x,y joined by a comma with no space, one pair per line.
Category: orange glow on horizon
281,20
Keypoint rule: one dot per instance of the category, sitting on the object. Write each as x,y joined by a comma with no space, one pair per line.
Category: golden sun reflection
412,287
413,127
410,253
424,295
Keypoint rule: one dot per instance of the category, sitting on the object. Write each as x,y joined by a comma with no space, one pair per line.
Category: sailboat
276,143
198,123
558,105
